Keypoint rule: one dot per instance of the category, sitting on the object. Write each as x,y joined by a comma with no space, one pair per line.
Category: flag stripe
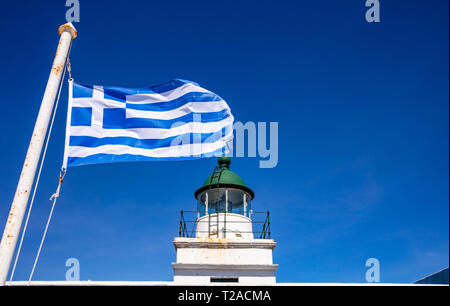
104,103
115,118
196,107
120,93
146,98
91,142
152,133
176,103
173,151
111,158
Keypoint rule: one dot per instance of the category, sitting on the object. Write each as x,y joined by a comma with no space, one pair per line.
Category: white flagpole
19,204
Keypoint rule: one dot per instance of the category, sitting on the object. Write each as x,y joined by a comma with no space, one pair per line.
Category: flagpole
19,204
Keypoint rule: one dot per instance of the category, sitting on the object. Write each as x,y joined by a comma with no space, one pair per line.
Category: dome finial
224,161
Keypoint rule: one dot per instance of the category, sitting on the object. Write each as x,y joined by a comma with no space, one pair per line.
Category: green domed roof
223,177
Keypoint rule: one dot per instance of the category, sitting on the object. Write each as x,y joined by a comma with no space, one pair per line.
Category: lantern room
224,192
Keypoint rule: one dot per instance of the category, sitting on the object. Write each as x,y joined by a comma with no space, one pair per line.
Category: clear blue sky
363,112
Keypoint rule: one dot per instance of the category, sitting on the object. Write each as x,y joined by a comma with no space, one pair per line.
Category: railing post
246,212
225,225
181,224
209,225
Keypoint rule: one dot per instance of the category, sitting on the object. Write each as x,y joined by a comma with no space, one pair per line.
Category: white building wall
230,256
200,259
246,277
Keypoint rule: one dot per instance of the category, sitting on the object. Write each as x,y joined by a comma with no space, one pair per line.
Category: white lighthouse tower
217,242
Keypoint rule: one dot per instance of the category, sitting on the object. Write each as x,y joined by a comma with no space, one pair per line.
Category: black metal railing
188,224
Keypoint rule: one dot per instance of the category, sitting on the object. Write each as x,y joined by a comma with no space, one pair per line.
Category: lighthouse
224,240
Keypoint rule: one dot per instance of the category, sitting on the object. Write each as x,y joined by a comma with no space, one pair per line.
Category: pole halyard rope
41,166
54,197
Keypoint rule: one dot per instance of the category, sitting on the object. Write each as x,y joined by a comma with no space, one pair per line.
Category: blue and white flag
172,121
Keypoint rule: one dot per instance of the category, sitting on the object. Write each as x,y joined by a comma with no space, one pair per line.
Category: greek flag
177,120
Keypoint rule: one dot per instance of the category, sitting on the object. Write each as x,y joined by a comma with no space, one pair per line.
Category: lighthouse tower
224,240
